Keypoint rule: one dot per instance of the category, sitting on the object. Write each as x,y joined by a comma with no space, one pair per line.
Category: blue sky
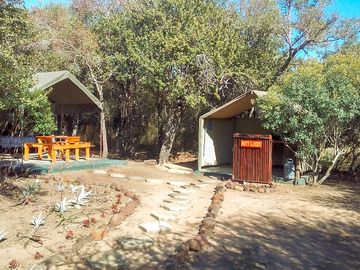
346,8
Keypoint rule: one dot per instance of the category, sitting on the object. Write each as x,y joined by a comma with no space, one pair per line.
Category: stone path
158,226
174,204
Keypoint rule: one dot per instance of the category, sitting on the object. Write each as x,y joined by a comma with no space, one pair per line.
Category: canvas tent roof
68,94
234,107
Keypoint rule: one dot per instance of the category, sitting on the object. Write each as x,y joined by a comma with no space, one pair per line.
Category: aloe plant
37,184
74,188
37,221
61,207
82,198
2,235
59,187
27,191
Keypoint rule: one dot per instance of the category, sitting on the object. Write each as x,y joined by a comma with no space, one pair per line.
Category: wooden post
100,145
62,119
297,169
103,142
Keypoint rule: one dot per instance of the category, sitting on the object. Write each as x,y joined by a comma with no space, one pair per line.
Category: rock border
249,186
96,234
200,240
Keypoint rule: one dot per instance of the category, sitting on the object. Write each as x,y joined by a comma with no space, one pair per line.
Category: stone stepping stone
155,227
175,207
177,200
136,178
179,195
100,172
200,184
164,216
107,260
136,243
184,191
155,181
191,186
176,183
209,180
117,175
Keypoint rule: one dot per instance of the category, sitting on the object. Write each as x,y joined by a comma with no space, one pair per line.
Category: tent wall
249,126
215,142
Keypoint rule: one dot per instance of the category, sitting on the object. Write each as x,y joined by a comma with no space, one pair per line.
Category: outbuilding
68,96
217,129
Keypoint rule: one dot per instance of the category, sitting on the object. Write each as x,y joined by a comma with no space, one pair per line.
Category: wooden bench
39,146
65,148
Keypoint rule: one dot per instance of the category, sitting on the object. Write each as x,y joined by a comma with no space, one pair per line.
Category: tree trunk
103,137
353,165
328,171
171,127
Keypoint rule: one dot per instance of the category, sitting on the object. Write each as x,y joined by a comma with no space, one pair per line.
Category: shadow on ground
326,237
328,245
349,198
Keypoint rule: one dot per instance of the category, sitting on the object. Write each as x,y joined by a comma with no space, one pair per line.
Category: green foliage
15,75
27,111
157,64
314,106
39,118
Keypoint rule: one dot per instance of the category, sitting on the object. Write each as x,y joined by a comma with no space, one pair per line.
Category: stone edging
98,233
198,242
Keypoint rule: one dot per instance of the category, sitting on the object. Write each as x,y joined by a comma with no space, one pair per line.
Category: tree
73,43
307,26
346,63
183,51
313,108
15,77
26,111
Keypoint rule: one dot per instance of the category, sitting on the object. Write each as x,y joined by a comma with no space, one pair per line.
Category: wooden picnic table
57,139
54,144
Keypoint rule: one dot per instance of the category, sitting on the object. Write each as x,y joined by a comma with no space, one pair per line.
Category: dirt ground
295,227
16,220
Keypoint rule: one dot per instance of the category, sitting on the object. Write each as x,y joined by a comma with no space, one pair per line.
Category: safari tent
216,129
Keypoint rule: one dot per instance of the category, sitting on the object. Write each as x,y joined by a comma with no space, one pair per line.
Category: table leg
53,154
87,152
67,154
49,153
40,151
26,152
77,152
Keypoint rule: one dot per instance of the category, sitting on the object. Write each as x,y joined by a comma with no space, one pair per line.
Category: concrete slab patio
34,166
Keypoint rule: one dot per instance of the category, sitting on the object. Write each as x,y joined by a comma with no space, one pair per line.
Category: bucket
289,169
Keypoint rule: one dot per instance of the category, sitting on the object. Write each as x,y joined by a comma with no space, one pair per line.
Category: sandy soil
16,219
297,227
